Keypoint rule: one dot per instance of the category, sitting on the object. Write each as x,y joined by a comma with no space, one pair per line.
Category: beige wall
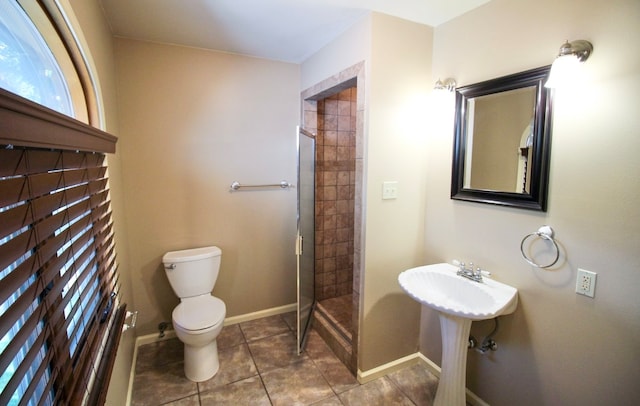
192,121
558,348
93,30
347,50
395,147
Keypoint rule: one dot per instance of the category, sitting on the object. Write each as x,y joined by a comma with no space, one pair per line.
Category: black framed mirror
502,141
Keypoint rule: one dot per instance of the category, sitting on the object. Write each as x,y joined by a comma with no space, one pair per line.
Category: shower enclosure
334,111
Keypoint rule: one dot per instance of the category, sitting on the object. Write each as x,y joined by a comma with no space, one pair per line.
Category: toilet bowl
199,317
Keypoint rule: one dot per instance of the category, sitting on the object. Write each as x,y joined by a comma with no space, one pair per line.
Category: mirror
502,141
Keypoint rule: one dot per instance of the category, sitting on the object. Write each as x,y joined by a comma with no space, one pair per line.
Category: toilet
199,317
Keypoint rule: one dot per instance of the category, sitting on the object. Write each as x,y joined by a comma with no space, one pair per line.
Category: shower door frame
305,236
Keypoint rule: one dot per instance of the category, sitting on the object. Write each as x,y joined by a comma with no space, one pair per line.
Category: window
58,271
27,65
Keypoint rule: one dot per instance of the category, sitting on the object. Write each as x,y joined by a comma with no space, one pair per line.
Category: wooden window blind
58,271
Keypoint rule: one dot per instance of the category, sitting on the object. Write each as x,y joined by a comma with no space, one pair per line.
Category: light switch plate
389,190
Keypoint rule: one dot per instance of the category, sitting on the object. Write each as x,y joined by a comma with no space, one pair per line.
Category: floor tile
230,336
265,327
334,371
300,383
274,352
291,319
380,392
161,385
418,383
236,364
160,353
246,392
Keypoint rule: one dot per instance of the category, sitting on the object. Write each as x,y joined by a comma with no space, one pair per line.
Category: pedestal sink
458,301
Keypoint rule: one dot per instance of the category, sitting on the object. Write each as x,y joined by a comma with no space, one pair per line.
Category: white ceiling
285,30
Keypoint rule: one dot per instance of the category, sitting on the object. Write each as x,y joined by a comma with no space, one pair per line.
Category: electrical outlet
586,283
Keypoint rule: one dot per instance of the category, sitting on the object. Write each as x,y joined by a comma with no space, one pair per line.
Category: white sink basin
438,287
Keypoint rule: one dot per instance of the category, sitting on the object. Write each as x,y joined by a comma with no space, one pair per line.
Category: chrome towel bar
235,185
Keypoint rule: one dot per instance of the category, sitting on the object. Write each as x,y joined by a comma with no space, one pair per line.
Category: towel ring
546,233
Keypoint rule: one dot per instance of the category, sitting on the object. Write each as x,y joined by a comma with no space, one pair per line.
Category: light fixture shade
563,71
565,68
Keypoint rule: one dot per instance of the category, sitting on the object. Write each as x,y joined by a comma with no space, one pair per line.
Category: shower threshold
332,320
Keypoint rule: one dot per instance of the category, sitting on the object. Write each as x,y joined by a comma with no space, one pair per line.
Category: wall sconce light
448,84
565,65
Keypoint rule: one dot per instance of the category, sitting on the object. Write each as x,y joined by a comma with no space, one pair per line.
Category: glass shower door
305,241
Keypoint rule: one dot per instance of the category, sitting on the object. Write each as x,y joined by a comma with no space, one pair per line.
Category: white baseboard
382,370
169,334
260,314
155,338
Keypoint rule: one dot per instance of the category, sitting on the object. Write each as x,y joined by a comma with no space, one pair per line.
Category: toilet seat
199,313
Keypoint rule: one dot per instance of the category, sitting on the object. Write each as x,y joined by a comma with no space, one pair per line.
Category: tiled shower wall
335,191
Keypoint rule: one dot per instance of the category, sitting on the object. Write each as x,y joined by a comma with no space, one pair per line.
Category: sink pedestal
455,339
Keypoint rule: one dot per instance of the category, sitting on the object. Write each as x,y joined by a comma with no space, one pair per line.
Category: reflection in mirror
501,148
498,126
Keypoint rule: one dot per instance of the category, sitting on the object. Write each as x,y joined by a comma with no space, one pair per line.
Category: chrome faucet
470,273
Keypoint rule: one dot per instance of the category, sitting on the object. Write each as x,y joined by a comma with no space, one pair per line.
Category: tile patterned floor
259,366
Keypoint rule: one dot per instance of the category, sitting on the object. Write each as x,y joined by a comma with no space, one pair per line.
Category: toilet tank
192,272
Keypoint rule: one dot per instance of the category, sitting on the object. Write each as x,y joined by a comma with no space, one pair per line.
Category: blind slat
17,162
16,248
22,369
20,338
35,382
35,210
13,220
45,226
13,313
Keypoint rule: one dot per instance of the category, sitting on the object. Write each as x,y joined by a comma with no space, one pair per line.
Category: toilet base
201,363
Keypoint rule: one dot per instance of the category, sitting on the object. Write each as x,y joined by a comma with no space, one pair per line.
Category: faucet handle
482,272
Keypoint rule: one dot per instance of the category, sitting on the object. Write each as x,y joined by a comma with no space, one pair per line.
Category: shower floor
338,311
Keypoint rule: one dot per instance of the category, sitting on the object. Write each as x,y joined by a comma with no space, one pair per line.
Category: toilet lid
200,312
